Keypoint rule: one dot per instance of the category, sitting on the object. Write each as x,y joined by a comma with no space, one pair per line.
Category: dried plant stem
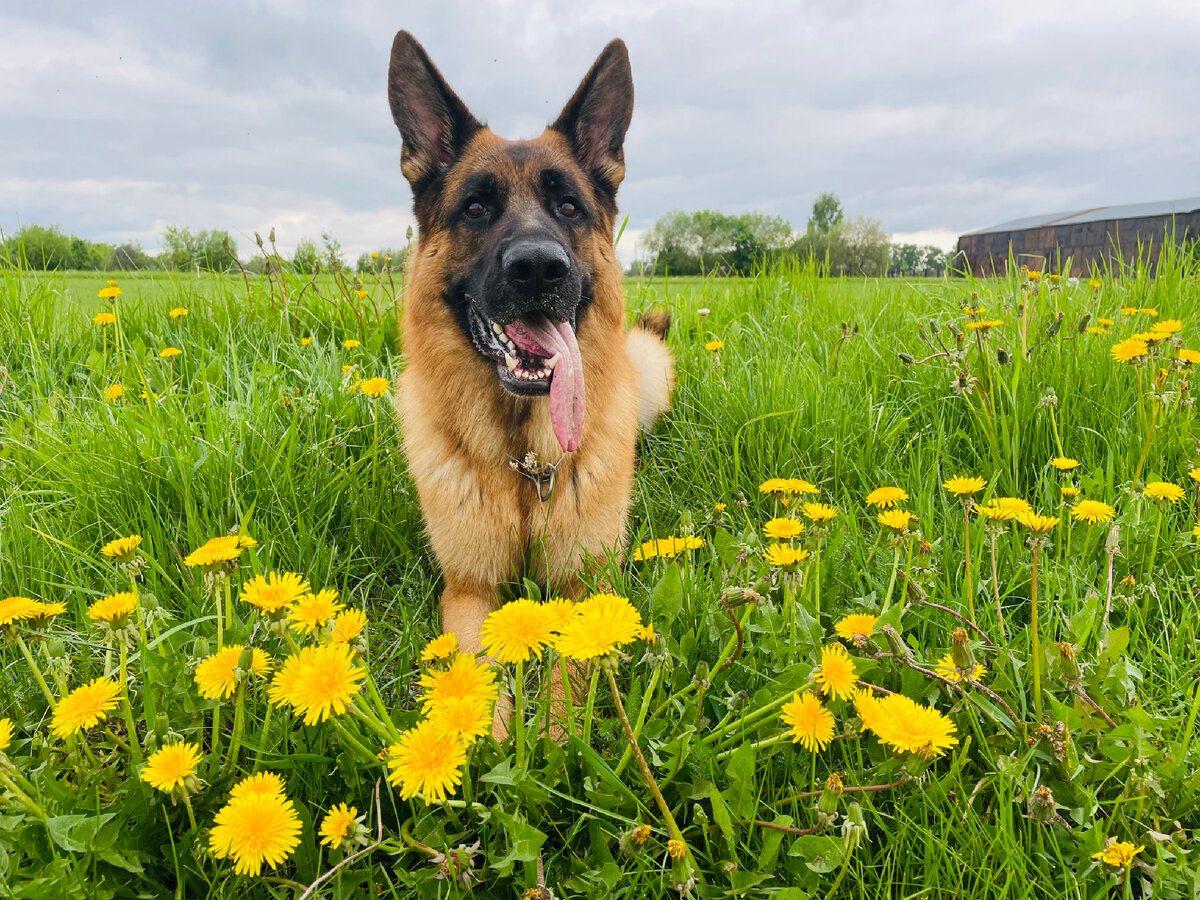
1035,639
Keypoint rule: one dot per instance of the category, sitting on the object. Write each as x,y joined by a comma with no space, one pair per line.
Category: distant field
849,384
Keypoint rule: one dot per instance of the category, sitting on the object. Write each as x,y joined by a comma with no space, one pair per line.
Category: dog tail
655,367
657,321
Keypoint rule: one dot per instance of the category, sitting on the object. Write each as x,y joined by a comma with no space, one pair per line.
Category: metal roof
1097,214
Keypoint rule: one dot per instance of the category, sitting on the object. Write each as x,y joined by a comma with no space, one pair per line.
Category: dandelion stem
228,607
239,723
187,804
758,745
135,745
262,736
668,818
1154,542
519,732
1035,639
996,587
887,600
568,700
37,673
970,562
1137,473
641,719
591,704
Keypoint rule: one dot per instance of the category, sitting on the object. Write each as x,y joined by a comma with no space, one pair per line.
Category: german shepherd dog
515,335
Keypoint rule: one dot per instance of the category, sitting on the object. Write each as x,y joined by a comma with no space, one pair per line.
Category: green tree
130,256
180,248
827,213
305,258
39,247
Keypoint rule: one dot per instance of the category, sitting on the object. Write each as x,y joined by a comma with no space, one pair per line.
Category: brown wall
1089,245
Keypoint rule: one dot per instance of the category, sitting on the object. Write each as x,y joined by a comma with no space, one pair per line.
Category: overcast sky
932,116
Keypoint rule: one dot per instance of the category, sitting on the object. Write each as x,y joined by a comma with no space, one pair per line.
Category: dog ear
596,118
434,124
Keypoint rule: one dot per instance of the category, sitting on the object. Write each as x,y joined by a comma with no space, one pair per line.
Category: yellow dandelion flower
820,512
1107,323
601,624
561,611
465,677
910,727
719,507
219,550
1194,474
648,634
170,352
46,610
1093,511
887,497
464,718
1034,275
254,829
104,319
1129,310
810,723
1097,329
216,675
963,486
670,547
1149,311
783,555
262,783
1094,284
1037,523
351,344
984,324
855,624
6,734
112,292
275,592
836,674
1064,463
1163,490
1191,357
319,682
946,668
782,529
375,387
361,294
427,762
113,607
122,548
348,369
339,823
306,341
17,609
1118,854
676,849
85,706
1070,492
516,630
441,647
648,550
313,612
178,312
896,519
713,346
787,486
866,705
1129,350
1004,509
171,767
114,392
347,626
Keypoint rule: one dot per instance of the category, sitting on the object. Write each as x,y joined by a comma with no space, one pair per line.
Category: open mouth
534,357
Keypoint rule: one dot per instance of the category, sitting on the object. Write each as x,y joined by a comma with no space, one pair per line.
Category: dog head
521,227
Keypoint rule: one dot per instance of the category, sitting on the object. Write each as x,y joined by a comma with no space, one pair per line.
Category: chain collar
542,474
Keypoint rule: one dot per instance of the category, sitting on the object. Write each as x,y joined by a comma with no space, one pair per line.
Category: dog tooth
496,328
510,361
553,361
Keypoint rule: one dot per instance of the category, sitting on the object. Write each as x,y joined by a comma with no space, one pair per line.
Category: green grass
252,429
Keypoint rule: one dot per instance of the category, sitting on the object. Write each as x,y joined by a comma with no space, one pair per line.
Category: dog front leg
466,602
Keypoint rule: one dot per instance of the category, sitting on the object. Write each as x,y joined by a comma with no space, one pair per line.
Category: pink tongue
567,401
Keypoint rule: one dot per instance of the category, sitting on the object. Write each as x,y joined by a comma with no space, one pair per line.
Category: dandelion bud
964,659
896,642
907,359
925,548
1002,356
1054,326
55,648
1070,666
1161,378
408,233
827,802
1083,323
246,659
148,602
1042,807
1112,543
974,296
700,679
271,235
738,702
201,648
538,893
1049,399
258,240
161,726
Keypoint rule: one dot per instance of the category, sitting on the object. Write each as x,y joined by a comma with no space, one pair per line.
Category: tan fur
461,429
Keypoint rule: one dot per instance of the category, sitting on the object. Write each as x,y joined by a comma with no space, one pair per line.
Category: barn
1093,238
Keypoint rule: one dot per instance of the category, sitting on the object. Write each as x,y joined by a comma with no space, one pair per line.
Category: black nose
532,267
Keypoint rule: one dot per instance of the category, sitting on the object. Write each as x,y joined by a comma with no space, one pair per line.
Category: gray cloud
933,117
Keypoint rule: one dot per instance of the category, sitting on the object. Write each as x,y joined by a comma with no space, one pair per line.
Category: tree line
707,242
48,248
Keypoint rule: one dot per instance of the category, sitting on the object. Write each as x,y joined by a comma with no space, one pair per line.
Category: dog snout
534,267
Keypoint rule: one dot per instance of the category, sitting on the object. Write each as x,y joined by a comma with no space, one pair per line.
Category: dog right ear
434,124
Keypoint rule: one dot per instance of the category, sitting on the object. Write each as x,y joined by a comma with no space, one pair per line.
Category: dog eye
475,210
568,209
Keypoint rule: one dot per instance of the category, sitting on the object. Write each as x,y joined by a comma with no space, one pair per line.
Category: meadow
909,609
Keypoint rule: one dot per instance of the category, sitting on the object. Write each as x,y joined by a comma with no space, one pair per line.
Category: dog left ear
596,118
